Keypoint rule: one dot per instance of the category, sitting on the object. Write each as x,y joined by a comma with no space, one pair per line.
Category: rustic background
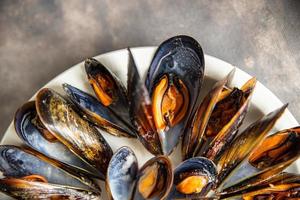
41,38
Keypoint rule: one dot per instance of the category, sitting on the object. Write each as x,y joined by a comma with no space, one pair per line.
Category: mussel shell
99,114
276,148
277,192
119,105
60,117
225,136
245,143
140,109
121,174
193,139
181,55
179,58
164,179
286,148
200,164
28,190
277,179
31,135
17,163
250,182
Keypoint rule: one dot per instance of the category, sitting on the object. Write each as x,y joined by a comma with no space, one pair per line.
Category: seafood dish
65,155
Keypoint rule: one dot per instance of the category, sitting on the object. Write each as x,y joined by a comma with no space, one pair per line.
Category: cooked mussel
23,169
194,137
262,181
154,179
217,119
31,130
280,186
244,144
109,89
125,181
278,192
34,190
59,116
162,107
193,178
98,113
258,174
276,148
140,110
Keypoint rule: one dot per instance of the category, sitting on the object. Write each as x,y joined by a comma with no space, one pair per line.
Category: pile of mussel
65,155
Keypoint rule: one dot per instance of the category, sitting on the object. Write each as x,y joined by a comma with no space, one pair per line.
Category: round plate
263,100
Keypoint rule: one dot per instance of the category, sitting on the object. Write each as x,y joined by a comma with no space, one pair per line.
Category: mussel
27,174
285,151
276,148
162,107
278,192
112,109
98,113
126,182
60,118
280,186
244,144
32,131
193,178
217,119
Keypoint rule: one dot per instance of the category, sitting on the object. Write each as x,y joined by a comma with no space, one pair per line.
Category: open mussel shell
277,192
251,183
99,114
59,116
265,180
179,55
140,109
29,190
121,174
174,81
217,120
285,153
226,118
30,129
108,88
194,137
154,179
276,148
244,144
19,163
193,178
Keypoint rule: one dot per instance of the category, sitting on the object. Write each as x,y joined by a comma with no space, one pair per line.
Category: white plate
263,100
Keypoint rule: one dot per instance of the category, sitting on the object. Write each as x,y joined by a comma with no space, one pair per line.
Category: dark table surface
40,39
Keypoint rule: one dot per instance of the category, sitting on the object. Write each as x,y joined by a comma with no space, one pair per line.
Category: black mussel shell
31,130
108,88
121,174
174,81
140,109
60,117
29,190
19,163
99,114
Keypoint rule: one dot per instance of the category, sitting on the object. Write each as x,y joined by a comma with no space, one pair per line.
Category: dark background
41,38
